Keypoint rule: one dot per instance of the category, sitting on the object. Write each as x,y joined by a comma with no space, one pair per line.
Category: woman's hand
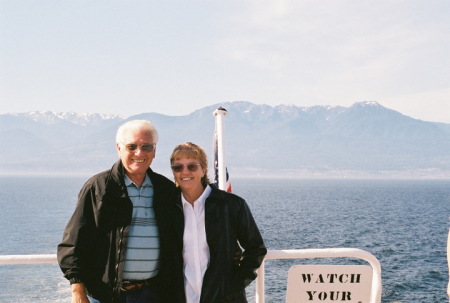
238,254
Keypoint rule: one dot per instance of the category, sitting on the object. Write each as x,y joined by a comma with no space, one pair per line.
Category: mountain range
364,140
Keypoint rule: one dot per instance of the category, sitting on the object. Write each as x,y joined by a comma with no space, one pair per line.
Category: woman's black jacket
227,219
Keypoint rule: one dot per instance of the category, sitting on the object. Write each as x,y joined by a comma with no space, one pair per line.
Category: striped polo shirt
142,256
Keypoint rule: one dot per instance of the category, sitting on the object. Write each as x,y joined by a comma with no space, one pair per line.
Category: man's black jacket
94,243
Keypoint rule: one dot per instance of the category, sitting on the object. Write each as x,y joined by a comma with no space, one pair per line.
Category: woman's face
190,176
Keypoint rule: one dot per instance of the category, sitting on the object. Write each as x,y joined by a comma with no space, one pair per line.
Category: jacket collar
216,193
115,184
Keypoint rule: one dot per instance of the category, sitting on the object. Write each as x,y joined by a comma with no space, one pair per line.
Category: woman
207,223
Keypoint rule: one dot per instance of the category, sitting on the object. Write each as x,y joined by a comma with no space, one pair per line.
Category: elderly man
114,246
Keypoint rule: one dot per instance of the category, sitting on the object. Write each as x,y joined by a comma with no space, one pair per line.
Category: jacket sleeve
254,250
78,238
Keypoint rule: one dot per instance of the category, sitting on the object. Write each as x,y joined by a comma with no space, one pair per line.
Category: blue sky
173,57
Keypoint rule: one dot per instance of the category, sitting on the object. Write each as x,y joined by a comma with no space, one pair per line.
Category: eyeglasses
192,167
146,147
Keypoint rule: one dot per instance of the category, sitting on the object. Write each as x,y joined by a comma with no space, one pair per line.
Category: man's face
136,162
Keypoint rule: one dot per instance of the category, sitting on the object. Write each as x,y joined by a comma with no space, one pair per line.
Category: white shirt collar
200,199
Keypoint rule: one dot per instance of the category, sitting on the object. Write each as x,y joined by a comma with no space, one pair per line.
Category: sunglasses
146,147
192,167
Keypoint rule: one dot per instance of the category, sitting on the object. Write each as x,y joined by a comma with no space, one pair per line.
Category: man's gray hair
142,126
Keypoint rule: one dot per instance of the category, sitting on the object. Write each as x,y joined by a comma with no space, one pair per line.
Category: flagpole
220,113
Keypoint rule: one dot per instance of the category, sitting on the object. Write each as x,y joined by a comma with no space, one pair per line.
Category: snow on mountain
86,118
293,111
327,112
369,103
49,117
243,110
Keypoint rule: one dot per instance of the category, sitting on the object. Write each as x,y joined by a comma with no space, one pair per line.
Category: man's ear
118,148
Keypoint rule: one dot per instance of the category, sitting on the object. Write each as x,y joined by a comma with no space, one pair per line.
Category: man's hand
79,293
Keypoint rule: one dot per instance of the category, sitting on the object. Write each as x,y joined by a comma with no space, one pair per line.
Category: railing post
260,291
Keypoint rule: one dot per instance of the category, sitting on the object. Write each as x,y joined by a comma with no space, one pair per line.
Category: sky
174,57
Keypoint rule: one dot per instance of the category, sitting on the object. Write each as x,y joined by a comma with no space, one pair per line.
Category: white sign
329,283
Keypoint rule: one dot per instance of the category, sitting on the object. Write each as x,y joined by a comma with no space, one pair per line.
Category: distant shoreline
248,173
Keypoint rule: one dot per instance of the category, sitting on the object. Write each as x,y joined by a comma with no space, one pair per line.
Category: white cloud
327,51
176,57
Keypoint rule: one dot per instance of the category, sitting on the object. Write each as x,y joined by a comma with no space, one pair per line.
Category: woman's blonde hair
191,151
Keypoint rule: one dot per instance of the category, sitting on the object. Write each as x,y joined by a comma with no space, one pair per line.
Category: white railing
323,253
27,259
271,255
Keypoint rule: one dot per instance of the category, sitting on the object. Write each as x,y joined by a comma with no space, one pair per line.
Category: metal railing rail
271,255
27,259
323,253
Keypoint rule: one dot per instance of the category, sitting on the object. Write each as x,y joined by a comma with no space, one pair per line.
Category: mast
219,143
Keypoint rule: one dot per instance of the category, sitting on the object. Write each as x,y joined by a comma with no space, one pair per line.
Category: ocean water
403,223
